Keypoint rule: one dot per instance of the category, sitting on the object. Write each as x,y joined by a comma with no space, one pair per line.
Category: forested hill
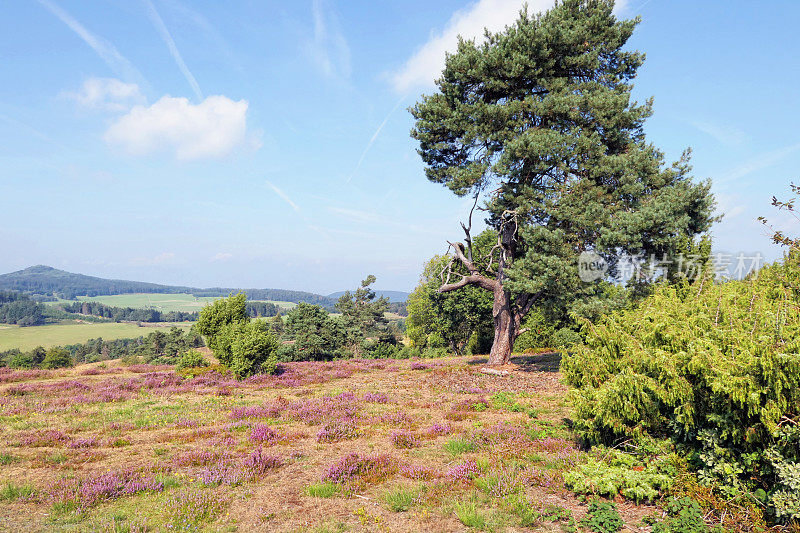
41,280
394,296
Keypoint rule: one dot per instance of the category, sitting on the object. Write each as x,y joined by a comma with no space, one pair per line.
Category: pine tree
539,119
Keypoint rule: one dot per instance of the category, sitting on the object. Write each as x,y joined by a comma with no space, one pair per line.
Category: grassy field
163,302
62,334
356,445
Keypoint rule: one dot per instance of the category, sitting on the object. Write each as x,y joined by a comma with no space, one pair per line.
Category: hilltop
47,281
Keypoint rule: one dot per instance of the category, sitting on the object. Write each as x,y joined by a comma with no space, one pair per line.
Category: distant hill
394,296
49,282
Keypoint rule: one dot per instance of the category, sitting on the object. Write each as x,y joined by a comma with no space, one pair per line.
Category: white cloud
173,49
283,196
107,52
222,256
212,128
425,66
329,48
108,94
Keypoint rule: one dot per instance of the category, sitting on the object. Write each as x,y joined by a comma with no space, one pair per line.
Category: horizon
297,171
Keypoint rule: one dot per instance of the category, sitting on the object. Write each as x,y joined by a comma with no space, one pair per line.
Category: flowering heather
89,442
264,434
189,510
419,366
338,430
395,418
235,426
412,471
375,397
187,423
354,468
541,477
101,487
41,438
316,411
8,375
437,430
553,445
199,458
258,411
404,439
464,471
471,404
224,473
260,463
502,432
147,369
121,426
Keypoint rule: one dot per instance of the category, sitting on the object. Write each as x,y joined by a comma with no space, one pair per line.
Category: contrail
283,196
173,50
375,136
107,52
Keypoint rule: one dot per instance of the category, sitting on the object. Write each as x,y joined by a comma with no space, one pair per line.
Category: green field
62,334
161,301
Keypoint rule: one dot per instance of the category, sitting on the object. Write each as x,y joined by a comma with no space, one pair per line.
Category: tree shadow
540,362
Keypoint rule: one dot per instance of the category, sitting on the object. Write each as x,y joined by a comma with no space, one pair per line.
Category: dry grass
342,446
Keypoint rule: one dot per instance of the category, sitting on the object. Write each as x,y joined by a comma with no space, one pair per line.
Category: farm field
161,301
63,334
353,445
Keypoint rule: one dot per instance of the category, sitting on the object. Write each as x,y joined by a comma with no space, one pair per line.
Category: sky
266,144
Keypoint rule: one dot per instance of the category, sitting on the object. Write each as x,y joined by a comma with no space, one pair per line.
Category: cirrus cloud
212,128
108,94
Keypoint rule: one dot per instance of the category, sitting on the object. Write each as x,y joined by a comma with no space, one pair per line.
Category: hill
394,296
51,282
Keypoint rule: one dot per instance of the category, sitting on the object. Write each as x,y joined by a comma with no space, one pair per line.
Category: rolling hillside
51,282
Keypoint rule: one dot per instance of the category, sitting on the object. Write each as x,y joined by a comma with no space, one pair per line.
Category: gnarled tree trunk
505,328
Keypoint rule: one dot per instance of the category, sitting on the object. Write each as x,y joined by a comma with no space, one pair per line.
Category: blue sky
265,144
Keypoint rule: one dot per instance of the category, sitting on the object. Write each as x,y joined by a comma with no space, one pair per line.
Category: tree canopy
539,119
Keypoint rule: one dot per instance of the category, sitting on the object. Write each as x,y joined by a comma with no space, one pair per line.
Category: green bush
715,367
244,346
191,359
21,360
57,358
602,517
565,338
286,353
539,334
683,516
253,349
620,473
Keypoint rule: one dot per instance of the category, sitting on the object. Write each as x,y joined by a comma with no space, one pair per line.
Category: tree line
131,314
127,314
17,308
158,347
48,283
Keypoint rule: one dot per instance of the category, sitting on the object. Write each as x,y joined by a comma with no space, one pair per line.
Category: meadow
162,301
357,445
71,332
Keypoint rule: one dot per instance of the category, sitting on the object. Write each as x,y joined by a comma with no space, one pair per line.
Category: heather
134,446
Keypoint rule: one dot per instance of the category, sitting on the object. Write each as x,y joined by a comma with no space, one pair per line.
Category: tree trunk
505,328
